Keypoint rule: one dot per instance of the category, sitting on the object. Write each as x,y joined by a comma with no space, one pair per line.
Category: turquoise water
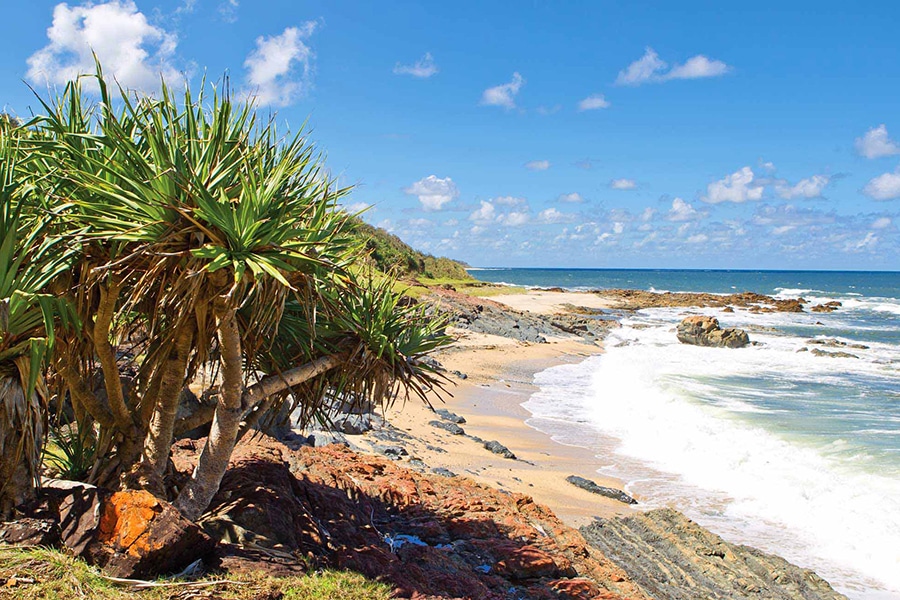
769,445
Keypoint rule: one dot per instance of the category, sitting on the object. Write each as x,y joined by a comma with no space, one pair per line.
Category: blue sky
571,134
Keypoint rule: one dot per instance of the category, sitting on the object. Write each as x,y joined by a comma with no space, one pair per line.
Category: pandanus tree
29,315
205,238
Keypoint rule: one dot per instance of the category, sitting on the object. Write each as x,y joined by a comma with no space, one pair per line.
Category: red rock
140,535
526,562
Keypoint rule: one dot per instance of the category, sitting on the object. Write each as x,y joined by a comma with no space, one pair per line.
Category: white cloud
510,201
503,95
623,184
618,228
697,67
867,243
642,70
698,238
549,110
433,192
357,207
768,166
514,219
650,68
420,223
228,10
882,223
551,215
783,229
574,197
811,187
537,165
424,67
682,211
486,213
737,187
594,102
876,143
648,214
132,51
280,68
885,186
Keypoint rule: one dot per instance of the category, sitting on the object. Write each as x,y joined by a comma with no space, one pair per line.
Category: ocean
794,453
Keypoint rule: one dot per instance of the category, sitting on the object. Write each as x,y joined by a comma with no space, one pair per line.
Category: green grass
49,574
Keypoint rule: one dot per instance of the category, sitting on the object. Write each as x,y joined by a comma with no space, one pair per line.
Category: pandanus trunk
21,437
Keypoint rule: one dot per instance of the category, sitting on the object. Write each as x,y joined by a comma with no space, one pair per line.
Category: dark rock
669,556
608,492
818,352
705,331
836,343
827,307
498,448
30,533
353,424
140,536
443,472
392,452
460,375
451,427
449,416
78,506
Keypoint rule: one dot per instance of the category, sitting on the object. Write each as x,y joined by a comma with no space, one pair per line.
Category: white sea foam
682,436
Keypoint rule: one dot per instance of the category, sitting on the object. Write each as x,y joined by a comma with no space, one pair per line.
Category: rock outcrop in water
705,331
669,556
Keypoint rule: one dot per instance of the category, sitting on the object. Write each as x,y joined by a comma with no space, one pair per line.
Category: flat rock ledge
705,331
669,556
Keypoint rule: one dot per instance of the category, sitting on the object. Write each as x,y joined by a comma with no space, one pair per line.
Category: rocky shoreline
383,502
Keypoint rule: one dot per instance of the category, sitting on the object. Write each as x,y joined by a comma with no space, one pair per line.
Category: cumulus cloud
884,187
433,192
698,67
882,223
280,69
573,197
698,238
682,211
876,143
623,184
648,214
133,52
551,215
424,67
514,218
594,102
811,187
737,187
503,95
650,68
486,213
537,165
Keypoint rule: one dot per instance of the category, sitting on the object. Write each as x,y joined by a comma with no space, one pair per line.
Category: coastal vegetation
148,239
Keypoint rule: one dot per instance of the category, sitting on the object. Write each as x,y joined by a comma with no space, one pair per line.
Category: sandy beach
499,373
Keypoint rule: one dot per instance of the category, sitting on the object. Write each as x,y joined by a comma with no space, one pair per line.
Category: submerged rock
705,331
608,492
